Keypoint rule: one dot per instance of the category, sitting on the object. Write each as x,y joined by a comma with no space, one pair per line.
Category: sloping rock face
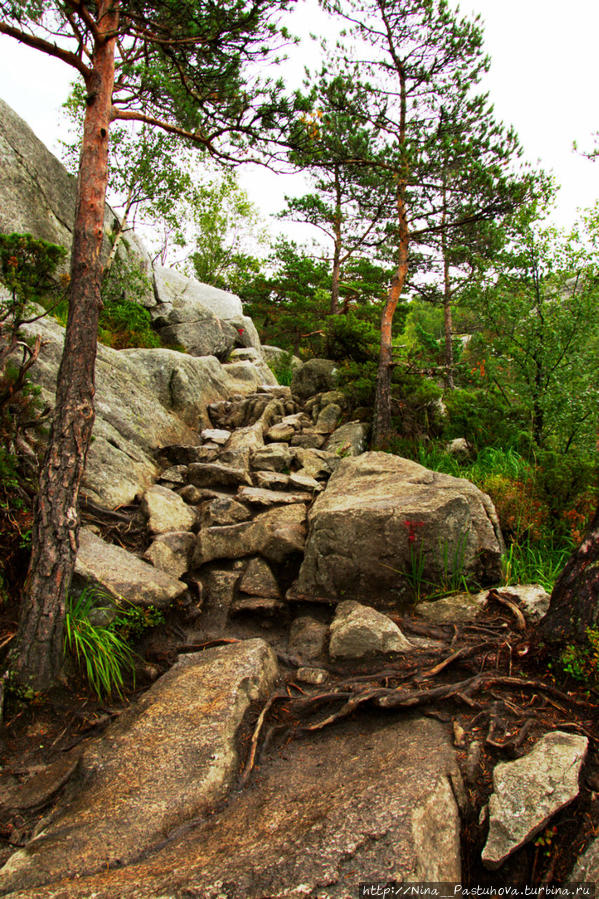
145,399
382,521
187,726
38,196
348,812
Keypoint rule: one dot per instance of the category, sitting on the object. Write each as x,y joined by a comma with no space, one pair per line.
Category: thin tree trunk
381,426
39,646
574,603
337,249
447,317
119,234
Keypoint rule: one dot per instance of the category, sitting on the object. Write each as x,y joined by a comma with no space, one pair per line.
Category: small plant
417,561
282,368
131,621
100,650
453,578
582,662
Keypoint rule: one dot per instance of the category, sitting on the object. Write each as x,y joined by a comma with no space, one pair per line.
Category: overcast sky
544,81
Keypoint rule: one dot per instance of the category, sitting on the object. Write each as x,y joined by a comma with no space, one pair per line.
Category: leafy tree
227,226
420,61
289,299
176,65
149,178
541,322
350,203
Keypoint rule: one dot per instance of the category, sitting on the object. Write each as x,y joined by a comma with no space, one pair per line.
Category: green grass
102,653
539,563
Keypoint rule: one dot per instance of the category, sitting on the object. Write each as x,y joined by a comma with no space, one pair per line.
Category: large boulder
38,196
371,801
145,399
203,319
170,758
313,377
382,520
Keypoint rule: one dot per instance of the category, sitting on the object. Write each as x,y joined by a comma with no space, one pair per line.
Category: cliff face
37,194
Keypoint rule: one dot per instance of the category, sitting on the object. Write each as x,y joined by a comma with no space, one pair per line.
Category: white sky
544,81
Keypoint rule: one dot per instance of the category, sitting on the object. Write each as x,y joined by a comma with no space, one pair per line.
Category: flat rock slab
121,574
166,511
166,761
360,801
275,534
529,791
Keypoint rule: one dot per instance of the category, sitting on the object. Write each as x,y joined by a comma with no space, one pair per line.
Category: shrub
123,321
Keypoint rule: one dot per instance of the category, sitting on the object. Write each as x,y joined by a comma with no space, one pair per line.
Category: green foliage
27,268
282,368
99,650
350,338
123,321
131,621
582,662
535,562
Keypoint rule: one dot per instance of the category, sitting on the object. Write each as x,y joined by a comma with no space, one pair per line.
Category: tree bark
574,603
38,654
381,426
336,274
447,316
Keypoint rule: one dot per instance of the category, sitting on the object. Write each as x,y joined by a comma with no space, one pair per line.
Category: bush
124,323
347,338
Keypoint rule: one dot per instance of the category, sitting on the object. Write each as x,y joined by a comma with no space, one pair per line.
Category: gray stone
280,433
259,496
313,676
328,419
359,543
586,869
195,495
123,575
176,474
263,605
358,802
533,600
274,356
180,455
130,800
358,631
198,330
349,440
274,457
459,608
309,440
215,435
171,552
308,638
170,284
38,196
218,592
166,511
275,534
270,480
224,510
304,482
529,791
315,376
213,474
258,580
242,443
460,448
316,463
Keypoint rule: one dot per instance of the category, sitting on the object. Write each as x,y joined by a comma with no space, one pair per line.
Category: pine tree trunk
38,656
336,274
381,425
575,599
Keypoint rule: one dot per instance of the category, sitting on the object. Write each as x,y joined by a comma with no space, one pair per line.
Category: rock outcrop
144,400
384,521
169,759
38,196
348,812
